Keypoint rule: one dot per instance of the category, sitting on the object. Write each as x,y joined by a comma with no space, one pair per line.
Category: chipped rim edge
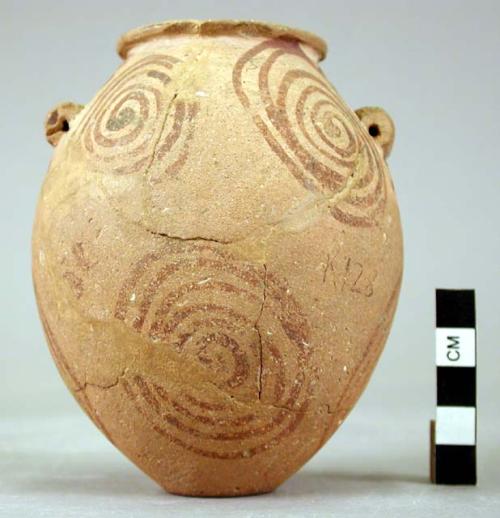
218,28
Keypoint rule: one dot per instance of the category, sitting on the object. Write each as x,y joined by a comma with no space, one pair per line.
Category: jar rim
218,28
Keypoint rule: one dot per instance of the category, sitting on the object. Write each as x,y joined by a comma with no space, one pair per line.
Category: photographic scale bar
453,433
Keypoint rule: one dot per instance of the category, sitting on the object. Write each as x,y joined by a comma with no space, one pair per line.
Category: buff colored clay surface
217,253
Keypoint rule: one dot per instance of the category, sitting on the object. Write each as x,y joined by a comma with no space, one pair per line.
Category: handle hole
59,121
379,126
374,130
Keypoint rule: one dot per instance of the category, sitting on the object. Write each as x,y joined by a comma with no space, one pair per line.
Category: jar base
229,493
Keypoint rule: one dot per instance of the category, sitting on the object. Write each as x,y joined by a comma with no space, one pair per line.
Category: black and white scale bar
454,431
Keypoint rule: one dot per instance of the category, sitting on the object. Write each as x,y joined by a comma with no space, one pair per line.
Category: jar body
217,257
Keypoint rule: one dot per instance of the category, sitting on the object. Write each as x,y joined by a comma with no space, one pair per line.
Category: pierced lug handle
58,121
380,127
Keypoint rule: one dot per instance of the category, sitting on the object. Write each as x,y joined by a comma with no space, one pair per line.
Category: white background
434,66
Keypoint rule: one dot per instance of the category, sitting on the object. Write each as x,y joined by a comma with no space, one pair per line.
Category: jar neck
180,32
215,44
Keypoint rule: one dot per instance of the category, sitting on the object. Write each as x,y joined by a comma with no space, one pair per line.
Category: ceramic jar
217,253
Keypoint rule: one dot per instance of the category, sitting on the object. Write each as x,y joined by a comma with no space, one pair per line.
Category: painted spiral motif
137,119
311,130
234,324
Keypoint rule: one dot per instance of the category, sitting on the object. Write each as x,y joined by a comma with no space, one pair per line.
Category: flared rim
218,28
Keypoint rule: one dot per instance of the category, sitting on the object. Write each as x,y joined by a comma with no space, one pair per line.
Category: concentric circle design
312,131
137,119
231,324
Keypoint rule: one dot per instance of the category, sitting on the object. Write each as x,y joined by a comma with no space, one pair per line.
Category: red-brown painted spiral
311,130
137,120
235,322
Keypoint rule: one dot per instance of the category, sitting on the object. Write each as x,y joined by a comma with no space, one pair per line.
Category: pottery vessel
217,253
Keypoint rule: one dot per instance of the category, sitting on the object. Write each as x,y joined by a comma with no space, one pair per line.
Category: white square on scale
455,347
456,425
